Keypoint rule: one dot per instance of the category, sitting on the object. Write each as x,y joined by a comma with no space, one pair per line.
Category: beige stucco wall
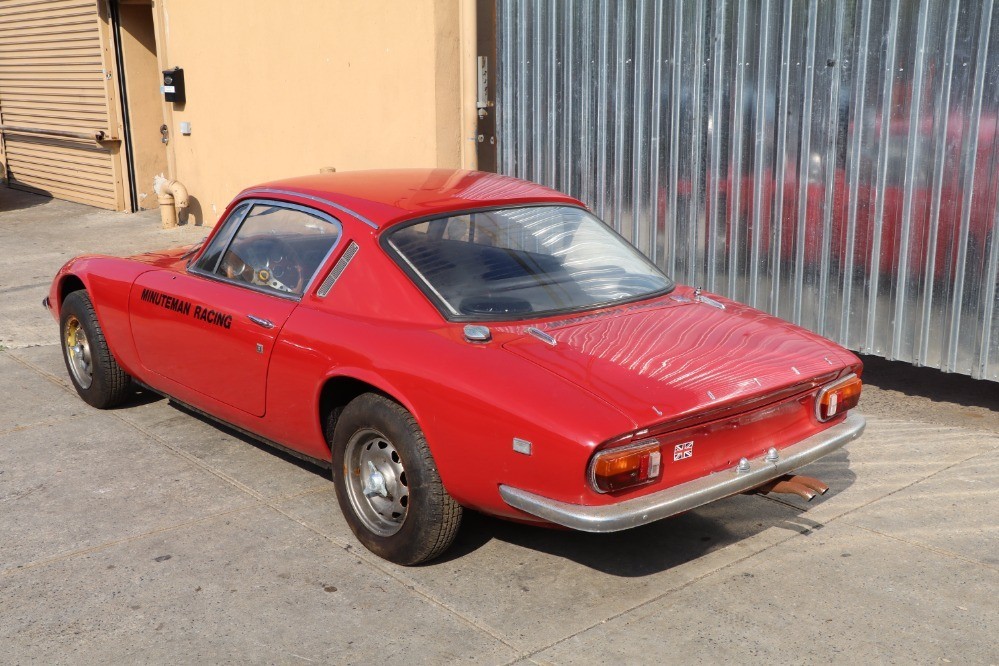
138,46
277,89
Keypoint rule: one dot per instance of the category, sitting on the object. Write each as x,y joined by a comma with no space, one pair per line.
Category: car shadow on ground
641,551
663,545
301,463
139,398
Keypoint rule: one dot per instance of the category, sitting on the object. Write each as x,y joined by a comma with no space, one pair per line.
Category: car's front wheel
95,374
387,483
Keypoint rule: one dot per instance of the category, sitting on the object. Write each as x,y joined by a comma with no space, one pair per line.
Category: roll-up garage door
57,101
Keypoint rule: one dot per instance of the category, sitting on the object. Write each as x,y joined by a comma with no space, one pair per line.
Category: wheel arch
340,388
68,283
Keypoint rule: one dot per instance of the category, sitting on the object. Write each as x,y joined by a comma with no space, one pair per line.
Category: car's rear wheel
95,374
387,484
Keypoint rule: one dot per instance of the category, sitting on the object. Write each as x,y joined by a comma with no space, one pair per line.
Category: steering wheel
277,265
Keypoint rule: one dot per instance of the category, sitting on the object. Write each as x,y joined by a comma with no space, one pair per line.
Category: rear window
523,262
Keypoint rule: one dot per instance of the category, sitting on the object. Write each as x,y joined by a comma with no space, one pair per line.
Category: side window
275,247
209,261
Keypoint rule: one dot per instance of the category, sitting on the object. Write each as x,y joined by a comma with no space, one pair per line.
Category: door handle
260,321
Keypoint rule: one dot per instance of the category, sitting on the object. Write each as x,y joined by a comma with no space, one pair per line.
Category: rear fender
368,377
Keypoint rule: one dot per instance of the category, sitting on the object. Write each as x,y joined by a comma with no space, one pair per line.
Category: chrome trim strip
541,335
318,214
686,496
235,219
420,275
327,202
245,285
338,268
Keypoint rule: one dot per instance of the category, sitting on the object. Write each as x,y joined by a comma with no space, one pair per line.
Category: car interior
488,267
274,247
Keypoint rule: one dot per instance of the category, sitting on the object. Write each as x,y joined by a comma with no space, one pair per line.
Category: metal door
58,109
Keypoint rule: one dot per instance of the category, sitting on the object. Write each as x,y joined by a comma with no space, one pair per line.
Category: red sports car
447,340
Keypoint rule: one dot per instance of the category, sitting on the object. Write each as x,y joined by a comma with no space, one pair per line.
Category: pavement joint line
916,423
136,537
933,549
532,653
529,655
302,493
117,542
407,583
23,287
893,492
923,546
194,460
44,373
37,424
412,585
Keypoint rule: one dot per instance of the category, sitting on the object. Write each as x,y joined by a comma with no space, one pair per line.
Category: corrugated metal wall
835,163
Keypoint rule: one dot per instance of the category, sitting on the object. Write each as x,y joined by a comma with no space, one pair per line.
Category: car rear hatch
686,362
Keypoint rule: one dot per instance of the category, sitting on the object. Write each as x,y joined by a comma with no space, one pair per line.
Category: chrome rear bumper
686,496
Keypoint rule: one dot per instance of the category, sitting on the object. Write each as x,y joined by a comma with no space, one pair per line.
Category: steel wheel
376,482
387,484
77,349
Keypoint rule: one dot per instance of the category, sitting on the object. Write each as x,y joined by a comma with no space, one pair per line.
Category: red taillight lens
838,397
616,469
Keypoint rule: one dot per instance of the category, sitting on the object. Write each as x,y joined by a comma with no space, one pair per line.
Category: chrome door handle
260,321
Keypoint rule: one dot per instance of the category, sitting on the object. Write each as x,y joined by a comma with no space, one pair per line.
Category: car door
212,328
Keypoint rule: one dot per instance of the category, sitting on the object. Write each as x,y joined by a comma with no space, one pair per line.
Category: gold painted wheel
77,349
95,373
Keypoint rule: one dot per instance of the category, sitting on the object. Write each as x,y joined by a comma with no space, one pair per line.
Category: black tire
373,427
78,327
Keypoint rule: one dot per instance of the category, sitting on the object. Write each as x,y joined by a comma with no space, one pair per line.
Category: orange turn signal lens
838,397
616,469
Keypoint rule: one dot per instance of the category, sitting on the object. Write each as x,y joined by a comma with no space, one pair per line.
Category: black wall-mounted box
173,85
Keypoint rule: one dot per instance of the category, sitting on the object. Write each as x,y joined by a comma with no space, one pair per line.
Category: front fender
69,278
108,281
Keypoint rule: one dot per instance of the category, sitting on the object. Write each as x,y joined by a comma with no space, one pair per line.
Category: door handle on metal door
260,321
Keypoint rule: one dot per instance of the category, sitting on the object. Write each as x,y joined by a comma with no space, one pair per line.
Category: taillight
627,466
837,397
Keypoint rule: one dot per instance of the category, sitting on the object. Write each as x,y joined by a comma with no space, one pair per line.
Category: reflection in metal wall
835,163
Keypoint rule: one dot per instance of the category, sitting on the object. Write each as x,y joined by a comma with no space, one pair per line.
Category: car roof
388,196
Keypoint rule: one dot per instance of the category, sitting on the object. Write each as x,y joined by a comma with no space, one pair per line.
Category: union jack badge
681,451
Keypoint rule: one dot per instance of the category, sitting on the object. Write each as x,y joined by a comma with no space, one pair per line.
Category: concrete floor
146,534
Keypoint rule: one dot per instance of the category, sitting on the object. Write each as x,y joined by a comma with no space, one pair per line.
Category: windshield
523,262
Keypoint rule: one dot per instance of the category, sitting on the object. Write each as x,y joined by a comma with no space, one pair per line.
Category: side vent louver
338,269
